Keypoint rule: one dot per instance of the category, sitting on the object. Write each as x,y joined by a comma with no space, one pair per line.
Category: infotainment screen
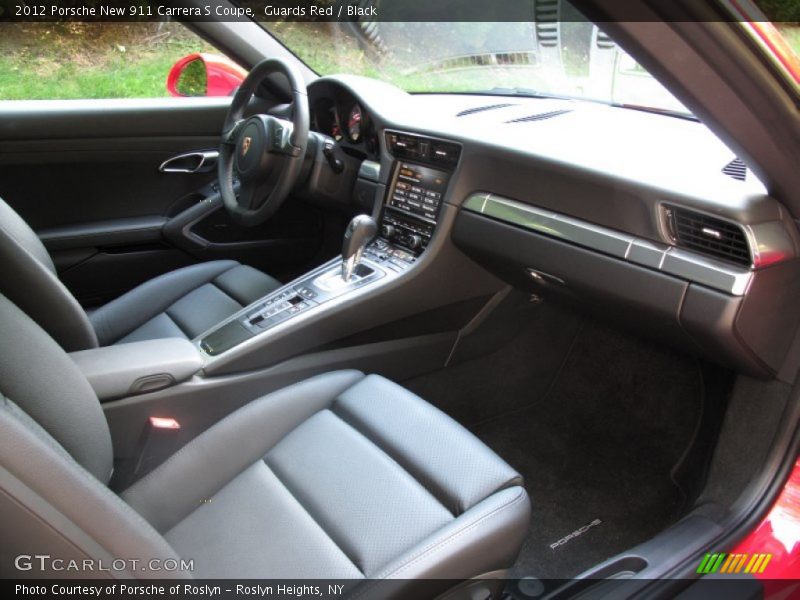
418,190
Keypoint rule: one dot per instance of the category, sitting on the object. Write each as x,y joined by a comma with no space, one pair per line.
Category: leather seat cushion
322,480
183,303
339,476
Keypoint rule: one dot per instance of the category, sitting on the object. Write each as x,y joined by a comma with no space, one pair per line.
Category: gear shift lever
358,234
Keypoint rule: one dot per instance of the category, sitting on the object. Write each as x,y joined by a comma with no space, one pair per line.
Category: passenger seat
340,476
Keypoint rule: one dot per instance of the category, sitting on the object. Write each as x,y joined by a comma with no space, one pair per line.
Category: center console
409,215
419,181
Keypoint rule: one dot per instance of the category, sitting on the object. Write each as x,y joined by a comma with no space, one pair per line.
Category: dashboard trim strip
674,261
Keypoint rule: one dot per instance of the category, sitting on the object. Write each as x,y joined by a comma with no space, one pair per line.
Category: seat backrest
28,278
42,381
55,463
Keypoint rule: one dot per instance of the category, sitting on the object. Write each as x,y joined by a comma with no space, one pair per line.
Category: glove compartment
726,328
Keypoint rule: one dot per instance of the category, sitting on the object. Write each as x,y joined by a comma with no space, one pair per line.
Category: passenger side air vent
709,235
539,116
477,109
736,169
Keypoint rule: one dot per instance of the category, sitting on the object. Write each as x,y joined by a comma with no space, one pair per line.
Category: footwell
595,420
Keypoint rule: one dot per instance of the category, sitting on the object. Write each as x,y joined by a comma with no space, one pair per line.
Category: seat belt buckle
159,441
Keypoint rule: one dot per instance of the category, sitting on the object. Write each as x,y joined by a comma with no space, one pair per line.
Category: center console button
414,242
398,264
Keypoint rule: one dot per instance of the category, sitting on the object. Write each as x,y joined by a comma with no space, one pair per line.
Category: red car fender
223,75
779,535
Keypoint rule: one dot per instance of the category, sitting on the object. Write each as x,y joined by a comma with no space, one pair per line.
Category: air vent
736,169
539,116
709,235
477,109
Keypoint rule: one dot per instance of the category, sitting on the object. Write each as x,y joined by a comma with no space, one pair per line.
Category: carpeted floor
593,418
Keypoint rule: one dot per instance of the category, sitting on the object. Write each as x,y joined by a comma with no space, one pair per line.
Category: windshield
569,57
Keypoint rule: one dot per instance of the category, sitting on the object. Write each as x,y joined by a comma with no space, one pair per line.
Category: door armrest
116,232
138,367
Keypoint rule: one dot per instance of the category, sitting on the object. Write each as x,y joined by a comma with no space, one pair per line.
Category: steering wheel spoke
230,135
252,194
246,196
280,137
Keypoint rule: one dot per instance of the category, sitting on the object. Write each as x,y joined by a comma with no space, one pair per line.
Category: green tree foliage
192,81
781,11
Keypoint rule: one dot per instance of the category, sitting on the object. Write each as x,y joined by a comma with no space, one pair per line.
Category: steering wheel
265,152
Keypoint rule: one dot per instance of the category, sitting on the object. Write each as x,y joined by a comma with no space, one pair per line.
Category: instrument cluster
343,119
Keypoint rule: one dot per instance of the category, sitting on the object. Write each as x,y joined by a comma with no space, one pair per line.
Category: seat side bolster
66,505
246,284
121,316
201,468
46,385
485,538
14,227
35,288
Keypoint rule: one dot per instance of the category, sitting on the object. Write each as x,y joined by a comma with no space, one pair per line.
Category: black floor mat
594,419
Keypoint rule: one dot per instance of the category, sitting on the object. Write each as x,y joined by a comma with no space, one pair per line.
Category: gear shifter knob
358,234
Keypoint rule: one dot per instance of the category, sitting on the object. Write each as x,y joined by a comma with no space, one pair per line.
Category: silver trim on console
690,266
300,318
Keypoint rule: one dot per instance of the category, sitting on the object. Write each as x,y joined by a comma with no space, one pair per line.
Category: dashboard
640,217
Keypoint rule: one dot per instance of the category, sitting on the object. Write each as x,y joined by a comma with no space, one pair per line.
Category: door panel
84,175
81,161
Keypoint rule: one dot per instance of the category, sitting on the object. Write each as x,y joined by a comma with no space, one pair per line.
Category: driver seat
183,303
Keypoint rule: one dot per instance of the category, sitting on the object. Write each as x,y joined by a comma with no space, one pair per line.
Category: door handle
201,161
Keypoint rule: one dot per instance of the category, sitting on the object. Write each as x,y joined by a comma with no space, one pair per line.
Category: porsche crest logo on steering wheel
246,142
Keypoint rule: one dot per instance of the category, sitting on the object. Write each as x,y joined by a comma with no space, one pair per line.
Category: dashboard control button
414,242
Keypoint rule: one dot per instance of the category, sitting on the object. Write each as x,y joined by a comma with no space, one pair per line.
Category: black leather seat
183,303
339,476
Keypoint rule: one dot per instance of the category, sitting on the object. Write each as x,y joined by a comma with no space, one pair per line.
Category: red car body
223,75
779,534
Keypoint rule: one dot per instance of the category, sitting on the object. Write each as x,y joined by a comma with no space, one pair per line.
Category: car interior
328,329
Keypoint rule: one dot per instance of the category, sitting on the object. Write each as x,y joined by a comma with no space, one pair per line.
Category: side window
59,61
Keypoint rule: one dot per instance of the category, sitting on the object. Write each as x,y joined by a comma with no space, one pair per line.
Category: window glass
781,43
566,56
40,61
560,53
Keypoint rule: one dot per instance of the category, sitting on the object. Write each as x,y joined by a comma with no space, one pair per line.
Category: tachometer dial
354,124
